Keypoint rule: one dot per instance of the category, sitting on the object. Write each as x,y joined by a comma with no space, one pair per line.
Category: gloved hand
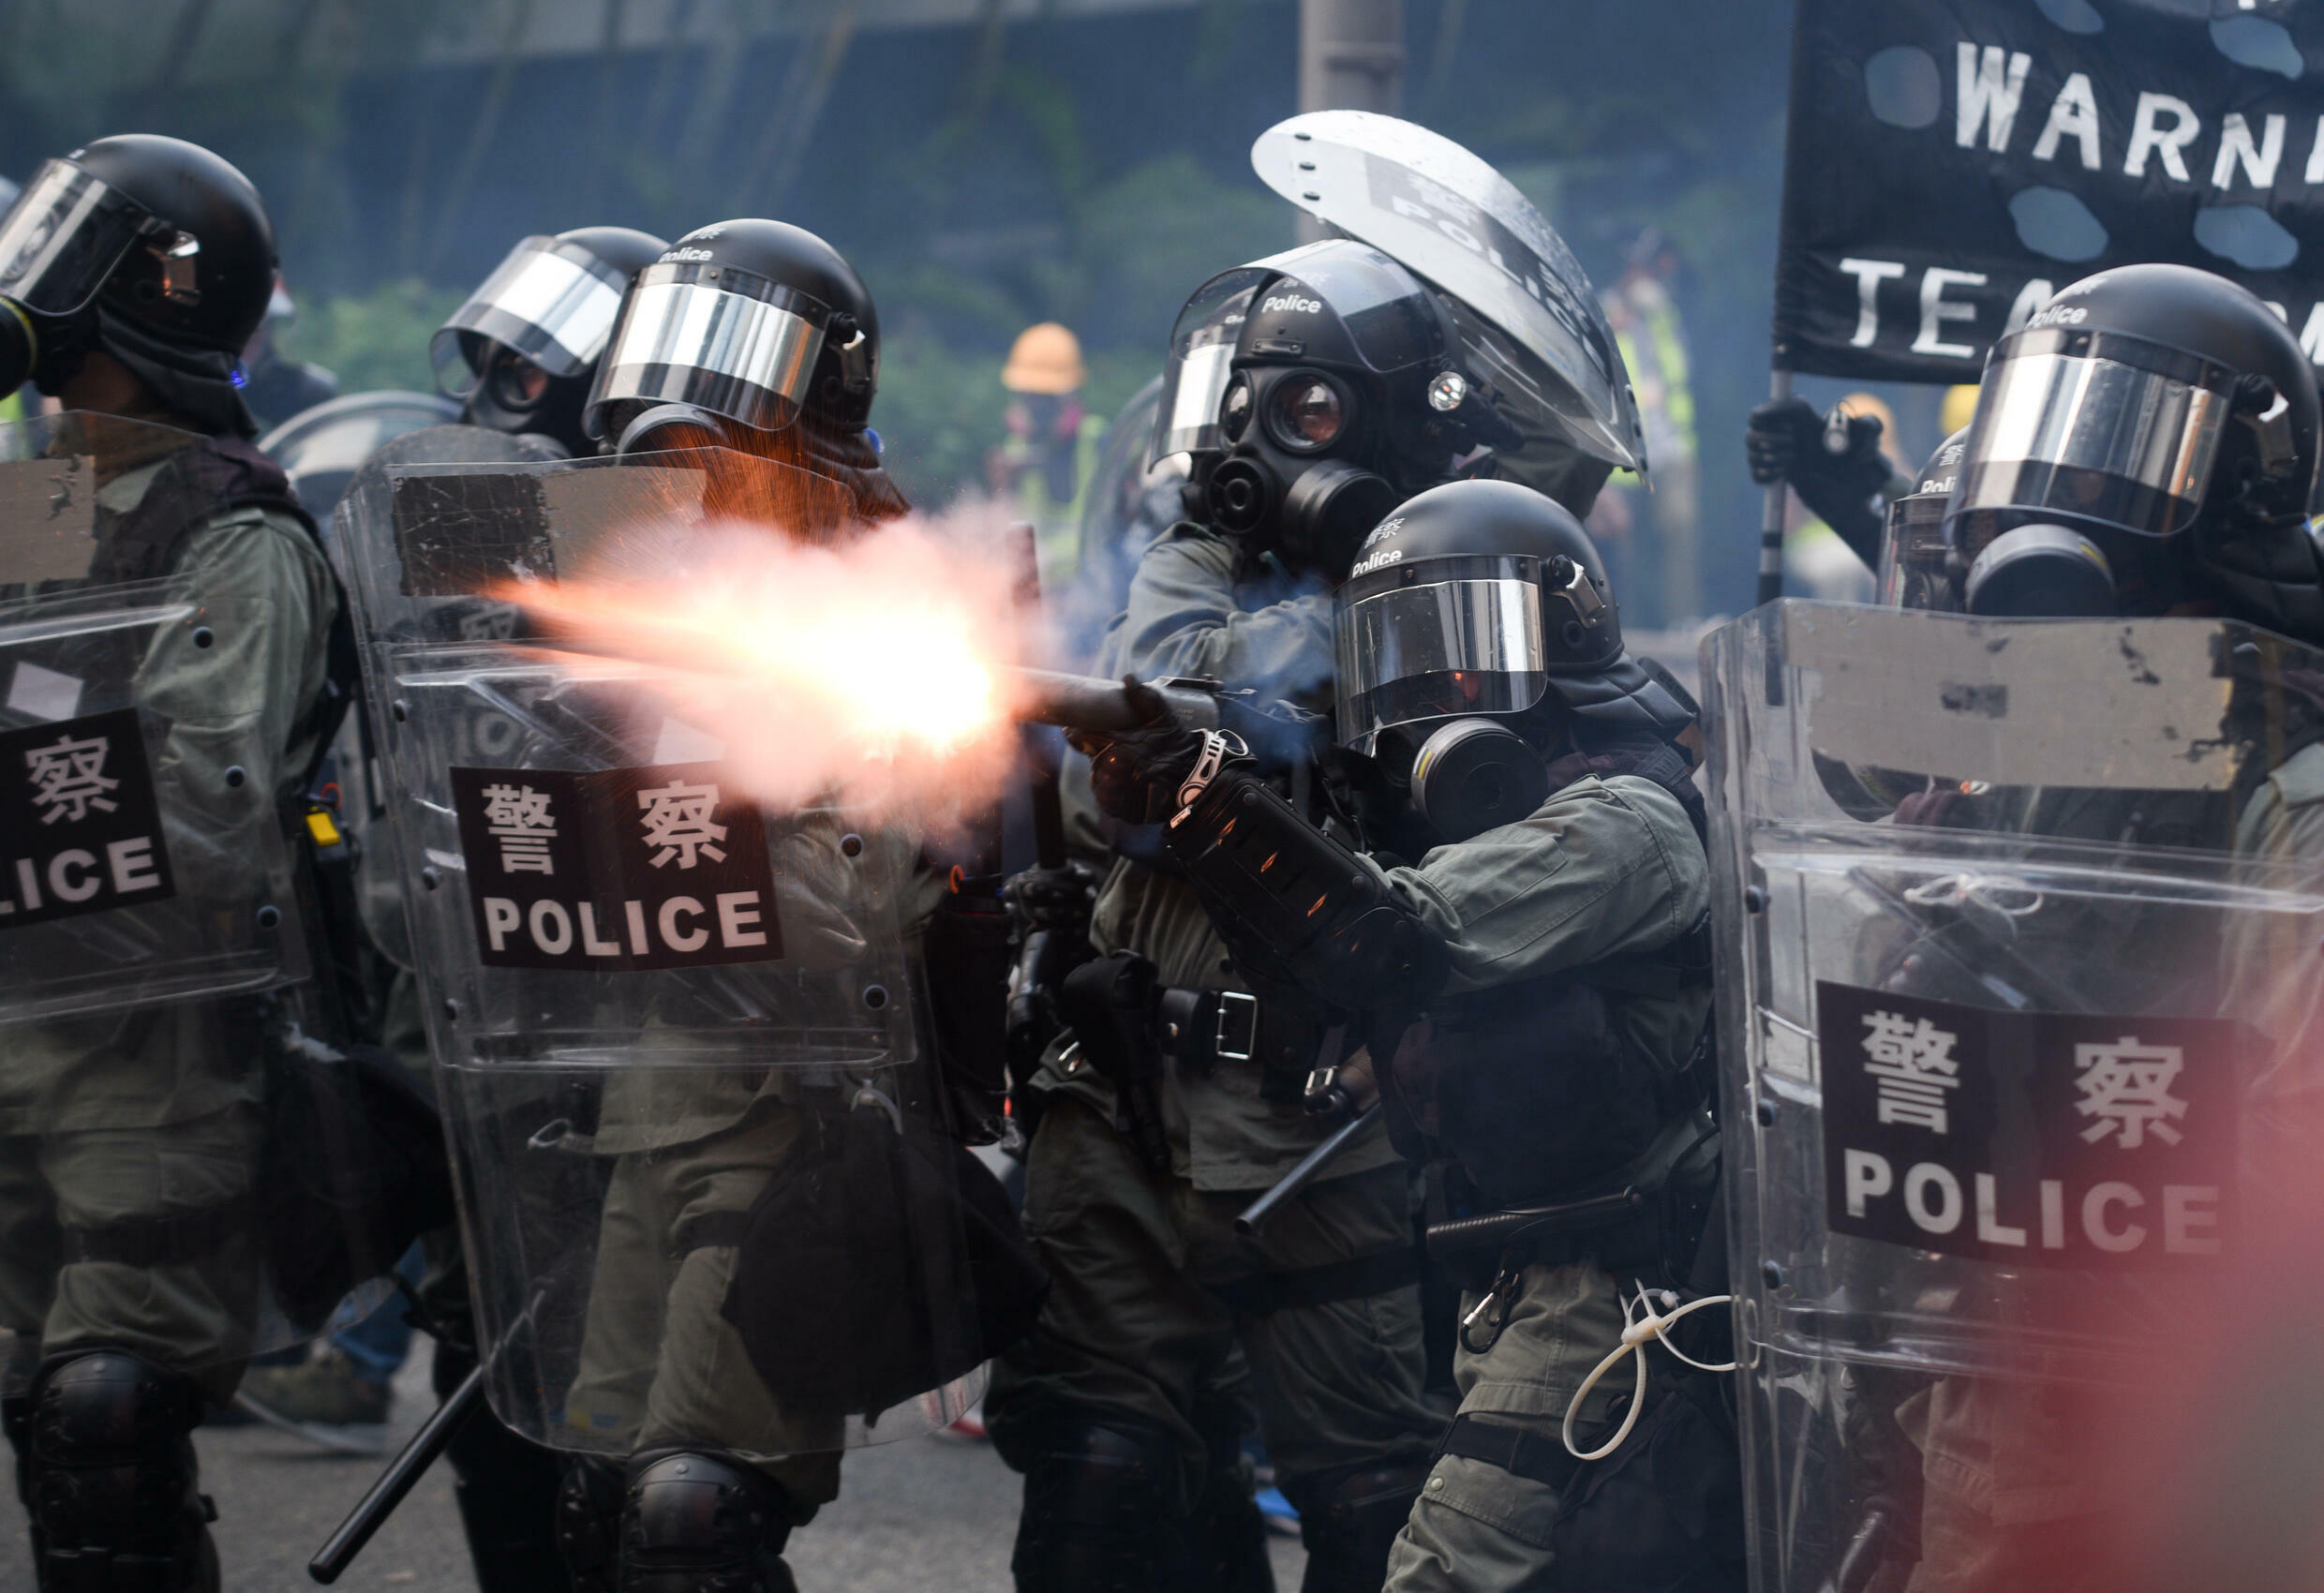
1786,440
1135,775
1054,898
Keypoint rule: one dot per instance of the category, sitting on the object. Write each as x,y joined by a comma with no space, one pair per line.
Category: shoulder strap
209,477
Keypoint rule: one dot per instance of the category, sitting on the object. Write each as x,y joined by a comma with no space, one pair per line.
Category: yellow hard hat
1865,405
1961,403
1044,359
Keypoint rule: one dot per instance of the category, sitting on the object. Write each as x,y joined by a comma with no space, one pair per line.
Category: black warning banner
1952,162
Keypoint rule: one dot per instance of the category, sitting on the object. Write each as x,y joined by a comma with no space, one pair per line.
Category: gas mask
2147,440
1289,485
1314,391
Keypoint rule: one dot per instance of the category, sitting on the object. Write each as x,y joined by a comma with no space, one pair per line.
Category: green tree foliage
375,339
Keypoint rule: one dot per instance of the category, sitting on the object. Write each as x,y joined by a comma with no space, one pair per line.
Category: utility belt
1281,1031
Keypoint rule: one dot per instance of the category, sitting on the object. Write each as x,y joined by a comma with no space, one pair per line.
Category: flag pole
1771,516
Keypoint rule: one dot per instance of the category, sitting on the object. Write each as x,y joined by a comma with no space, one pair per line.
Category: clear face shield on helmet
2095,427
68,231
1201,362
1531,324
1436,639
1913,571
551,304
716,337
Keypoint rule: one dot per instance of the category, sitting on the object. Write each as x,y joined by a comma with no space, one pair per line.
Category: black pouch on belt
355,1170
882,1260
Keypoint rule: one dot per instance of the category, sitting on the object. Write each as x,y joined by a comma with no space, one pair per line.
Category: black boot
506,1491
1348,1520
1104,1513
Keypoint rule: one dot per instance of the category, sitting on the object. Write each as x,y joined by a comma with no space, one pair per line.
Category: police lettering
2109,1216
82,827
733,920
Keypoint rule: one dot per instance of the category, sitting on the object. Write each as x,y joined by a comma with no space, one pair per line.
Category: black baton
1253,1215
332,1560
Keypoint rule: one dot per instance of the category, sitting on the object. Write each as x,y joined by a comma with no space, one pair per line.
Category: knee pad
588,1523
1105,1512
1348,1520
107,1477
697,1521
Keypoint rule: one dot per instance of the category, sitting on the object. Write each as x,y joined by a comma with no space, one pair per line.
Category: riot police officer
2141,461
720,1470
1312,392
1529,999
522,352
136,1265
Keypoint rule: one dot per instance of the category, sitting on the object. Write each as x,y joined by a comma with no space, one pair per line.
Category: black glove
1053,898
1786,440
1135,775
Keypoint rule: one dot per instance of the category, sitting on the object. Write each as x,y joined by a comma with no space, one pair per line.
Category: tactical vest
1531,1087
210,476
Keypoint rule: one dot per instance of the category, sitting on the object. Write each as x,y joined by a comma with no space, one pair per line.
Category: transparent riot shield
157,1028
142,864
2015,979
701,1189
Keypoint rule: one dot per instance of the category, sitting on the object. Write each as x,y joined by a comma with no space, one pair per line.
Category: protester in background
1842,469
1045,467
1653,340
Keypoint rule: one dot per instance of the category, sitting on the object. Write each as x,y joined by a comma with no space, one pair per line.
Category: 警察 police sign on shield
655,867
1952,162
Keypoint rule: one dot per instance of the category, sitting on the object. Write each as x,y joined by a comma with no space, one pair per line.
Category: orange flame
861,672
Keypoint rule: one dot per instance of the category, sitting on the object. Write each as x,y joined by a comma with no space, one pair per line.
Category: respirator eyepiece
1307,413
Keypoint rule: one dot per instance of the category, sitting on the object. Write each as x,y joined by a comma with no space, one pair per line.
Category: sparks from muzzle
862,672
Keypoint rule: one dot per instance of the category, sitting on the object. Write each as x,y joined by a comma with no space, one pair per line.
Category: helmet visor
1911,554
1437,639
2094,426
63,237
551,303
722,340
1202,346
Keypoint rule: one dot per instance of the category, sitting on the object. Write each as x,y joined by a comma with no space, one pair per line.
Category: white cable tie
1636,1332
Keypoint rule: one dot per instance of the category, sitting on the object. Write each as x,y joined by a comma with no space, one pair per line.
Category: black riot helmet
1472,609
748,323
1534,338
1913,557
1320,388
155,251
522,352
2148,440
